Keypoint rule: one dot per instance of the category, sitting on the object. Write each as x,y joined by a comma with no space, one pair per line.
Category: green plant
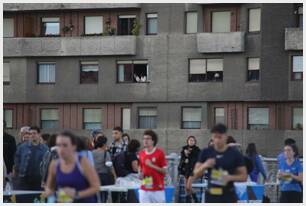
136,28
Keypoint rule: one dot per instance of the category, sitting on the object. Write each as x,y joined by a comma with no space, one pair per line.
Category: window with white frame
8,27
93,25
8,117
152,26
136,71
46,72
191,22
254,19
147,118
6,72
219,115
297,118
297,67
221,21
191,117
258,118
92,119
253,69
50,26
201,70
126,118
49,118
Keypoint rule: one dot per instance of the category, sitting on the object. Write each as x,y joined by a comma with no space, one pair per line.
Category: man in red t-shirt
152,166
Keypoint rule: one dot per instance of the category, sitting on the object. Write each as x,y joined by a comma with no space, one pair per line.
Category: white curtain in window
297,117
258,115
92,115
214,64
126,118
221,21
49,114
121,73
253,63
93,24
254,19
192,114
297,63
46,72
197,66
8,118
191,22
147,112
91,66
6,71
8,27
219,115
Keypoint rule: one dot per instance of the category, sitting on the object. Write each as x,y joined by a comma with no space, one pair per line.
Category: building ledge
220,42
293,39
69,46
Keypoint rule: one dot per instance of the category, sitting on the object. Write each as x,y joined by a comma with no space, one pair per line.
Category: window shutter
253,63
49,114
254,19
191,22
192,114
92,115
221,21
94,24
258,115
197,66
297,63
214,64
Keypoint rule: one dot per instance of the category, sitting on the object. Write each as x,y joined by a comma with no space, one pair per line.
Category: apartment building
176,68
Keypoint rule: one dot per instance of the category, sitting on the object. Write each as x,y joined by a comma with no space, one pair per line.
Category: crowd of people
71,168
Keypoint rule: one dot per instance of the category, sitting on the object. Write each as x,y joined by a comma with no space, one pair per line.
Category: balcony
57,6
70,46
220,42
294,39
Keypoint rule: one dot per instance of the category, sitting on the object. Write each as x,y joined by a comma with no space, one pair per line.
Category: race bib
217,177
147,182
216,191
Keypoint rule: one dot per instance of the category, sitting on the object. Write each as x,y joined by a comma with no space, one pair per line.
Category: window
151,24
6,73
8,117
219,115
49,118
221,21
89,72
258,118
126,24
132,71
147,118
93,24
91,119
8,27
253,69
254,19
50,26
192,117
300,16
297,119
191,22
46,72
297,67
126,118
201,70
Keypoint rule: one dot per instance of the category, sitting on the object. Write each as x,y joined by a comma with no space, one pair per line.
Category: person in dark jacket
189,156
9,149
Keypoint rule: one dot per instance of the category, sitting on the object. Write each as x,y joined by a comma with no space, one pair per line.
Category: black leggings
291,197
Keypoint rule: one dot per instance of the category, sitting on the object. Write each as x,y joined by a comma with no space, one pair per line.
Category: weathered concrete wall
70,46
294,39
220,42
56,6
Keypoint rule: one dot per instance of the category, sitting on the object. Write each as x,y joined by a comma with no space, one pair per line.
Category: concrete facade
168,54
294,39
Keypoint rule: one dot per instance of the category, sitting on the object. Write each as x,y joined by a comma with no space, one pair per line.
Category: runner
152,162
224,164
72,177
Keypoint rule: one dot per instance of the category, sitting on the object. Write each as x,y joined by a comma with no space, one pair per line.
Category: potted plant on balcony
68,28
136,28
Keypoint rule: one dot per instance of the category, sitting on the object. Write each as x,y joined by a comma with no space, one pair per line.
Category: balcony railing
294,39
220,42
70,46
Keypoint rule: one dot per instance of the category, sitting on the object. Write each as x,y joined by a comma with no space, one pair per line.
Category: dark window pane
297,75
140,73
215,76
89,74
197,77
253,75
125,26
258,126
